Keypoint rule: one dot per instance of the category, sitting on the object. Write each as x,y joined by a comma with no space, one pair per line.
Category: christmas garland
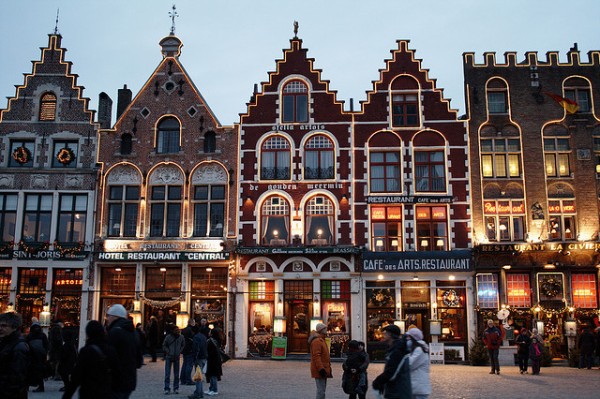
161,304
65,156
551,287
451,298
381,298
68,250
33,248
22,155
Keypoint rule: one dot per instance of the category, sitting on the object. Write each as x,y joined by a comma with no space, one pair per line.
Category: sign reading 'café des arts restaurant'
419,261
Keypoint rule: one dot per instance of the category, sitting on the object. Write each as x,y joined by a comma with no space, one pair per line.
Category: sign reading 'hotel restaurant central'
419,261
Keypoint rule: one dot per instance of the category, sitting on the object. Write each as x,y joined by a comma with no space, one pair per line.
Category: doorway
298,313
419,318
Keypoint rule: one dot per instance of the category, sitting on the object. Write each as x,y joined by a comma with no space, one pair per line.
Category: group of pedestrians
529,347
405,374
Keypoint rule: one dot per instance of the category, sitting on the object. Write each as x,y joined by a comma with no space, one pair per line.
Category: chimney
123,100
104,110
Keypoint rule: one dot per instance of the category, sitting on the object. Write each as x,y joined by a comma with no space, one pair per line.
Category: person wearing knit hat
117,310
320,363
121,335
418,360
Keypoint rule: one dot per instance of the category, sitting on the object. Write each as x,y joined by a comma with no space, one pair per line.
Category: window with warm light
48,107
123,208
386,228
430,167
518,290
275,159
168,136
295,102
275,221
501,158
487,290
562,216
504,220
432,228
262,290
8,216
319,160
584,291
597,154
72,218
320,221
384,171
451,309
557,152
209,210
165,210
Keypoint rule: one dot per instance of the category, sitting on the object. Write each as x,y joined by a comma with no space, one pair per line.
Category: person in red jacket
492,338
320,363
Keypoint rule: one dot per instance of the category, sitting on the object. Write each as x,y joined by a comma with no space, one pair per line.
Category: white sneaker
213,393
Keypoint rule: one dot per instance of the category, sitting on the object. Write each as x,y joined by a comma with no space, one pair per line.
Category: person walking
492,338
38,344
95,364
55,340
419,364
214,368
152,337
188,352
13,358
394,381
122,337
200,353
535,354
68,357
523,341
354,379
586,346
320,362
172,346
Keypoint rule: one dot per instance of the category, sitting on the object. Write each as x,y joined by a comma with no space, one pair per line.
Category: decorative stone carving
73,181
124,174
166,175
7,181
212,173
39,181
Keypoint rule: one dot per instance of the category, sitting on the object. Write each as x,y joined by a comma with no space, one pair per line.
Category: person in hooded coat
419,364
95,364
354,379
122,337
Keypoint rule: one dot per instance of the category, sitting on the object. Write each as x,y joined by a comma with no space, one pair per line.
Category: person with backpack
38,345
172,346
188,352
492,338
14,355
95,364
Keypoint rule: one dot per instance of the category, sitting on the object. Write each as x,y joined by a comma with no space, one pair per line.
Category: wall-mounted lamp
507,267
345,196
549,266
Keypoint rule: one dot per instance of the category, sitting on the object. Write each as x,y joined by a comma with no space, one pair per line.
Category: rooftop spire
172,15
56,23
295,29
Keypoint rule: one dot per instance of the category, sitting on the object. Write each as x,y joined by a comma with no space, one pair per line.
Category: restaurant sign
296,251
408,199
163,256
417,261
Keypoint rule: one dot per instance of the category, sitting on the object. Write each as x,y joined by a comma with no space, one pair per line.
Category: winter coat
492,338
13,367
355,382
523,341
68,357
94,370
587,343
319,356
55,339
400,387
199,347
121,336
535,351
173,345
152,335
188,334
38,345
419,368
213,363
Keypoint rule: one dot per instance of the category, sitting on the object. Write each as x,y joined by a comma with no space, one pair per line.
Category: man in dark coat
122,337
95,364
188,352
38,345
214,369
492,338
152,336
586,346
13,358
394,385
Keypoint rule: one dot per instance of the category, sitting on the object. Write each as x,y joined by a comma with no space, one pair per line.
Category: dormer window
48,107
295,102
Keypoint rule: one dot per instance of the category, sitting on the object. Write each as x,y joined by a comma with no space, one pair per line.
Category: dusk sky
229,45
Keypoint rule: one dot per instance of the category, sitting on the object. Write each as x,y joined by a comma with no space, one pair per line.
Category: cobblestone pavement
276,379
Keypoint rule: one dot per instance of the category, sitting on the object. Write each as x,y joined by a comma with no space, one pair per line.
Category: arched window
295,102
126,144
167,139
429,162
275,221
497,97
166,189
318,158
48,107
319,221
275,159
210,142
405,102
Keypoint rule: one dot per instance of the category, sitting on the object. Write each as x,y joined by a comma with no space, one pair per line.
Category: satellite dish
502,314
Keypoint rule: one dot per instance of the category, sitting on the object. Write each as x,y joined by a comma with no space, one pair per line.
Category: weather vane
56,24
173,14
295,29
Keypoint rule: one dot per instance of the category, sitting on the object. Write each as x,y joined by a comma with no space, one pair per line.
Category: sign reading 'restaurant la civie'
419,261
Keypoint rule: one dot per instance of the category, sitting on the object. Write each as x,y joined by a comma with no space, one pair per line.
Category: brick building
166,213
47,194
535,151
